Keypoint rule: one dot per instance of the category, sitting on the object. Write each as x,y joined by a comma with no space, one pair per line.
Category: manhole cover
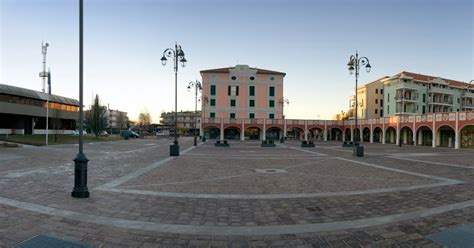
270,171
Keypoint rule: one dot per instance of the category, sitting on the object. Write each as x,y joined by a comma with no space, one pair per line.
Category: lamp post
354,65
80,162
343,131
178,56
282,101
197,86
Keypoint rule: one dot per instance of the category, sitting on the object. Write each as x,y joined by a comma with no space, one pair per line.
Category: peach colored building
242,92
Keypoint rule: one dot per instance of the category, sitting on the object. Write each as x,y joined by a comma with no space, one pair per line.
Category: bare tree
144,120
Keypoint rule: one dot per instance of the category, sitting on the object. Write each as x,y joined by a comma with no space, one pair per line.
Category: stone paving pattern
44,176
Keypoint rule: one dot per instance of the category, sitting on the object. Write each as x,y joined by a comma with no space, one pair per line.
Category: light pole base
80,177
174,150
358,150
195,140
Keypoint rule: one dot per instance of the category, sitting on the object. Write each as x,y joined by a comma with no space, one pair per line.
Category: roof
17,91
259,71
371,82
427,78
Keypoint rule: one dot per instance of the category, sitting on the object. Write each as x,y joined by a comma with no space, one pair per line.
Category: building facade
242,92
412,93
116,119
23,111
188,121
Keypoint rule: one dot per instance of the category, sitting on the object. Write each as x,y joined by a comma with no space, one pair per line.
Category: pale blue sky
309,40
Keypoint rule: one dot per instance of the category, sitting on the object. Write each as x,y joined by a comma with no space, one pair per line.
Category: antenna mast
44,74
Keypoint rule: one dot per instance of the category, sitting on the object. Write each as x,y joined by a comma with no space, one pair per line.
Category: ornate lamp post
354,65
80,162
198,87
178,56
282,101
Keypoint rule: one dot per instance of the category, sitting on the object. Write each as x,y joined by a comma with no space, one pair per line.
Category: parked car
76,132
103,133
160,133
129,134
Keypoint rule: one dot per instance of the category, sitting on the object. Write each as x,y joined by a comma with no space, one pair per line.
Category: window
381,102
213,90
423,109
376,101
271,103
388,98
233,78
252,115
213,102
381,113
252,78
272,90
388,109
376,91
232,115
424,97
271,116
233,90
212,115
252,91
251,103
232,102
376,110
381,91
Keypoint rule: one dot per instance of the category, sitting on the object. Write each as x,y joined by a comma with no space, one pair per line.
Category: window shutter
228,90
237,90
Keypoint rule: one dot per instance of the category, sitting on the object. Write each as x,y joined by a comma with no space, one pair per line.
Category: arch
467,136
390,135
406,135
212,132
316,133
424,136
445,136
295,133
232,133
273,133
252,133
347,134
378,134
356,132
366,134
336,134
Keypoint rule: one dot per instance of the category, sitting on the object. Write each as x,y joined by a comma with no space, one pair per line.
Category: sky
311,41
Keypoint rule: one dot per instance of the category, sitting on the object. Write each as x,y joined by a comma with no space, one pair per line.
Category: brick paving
43,176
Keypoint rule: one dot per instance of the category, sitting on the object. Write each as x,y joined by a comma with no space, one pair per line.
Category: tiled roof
427,78
259,71
17,91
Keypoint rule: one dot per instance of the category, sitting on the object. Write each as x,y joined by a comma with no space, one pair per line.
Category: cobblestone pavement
239,196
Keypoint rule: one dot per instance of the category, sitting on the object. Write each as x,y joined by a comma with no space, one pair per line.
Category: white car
160,133
76,132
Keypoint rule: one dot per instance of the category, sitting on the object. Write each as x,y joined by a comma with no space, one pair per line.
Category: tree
96,119
121,121
144,120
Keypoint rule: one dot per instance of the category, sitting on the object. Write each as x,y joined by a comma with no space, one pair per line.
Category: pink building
242,92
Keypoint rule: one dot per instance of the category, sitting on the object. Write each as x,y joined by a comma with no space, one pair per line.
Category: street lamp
354,65
282,102
178,56
198,87
343,131
80,162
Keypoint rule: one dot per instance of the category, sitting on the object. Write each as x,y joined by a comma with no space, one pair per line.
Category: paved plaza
238,196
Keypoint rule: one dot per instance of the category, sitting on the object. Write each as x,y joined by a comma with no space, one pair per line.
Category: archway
467,136
252,133
232,133
366,134
347,134
406,136
424,136
295,133
316,134
391,135
445,136
378,135
212,132
356,132
336,134
274,133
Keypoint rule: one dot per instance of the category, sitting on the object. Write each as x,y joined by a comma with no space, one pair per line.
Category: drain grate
271,171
